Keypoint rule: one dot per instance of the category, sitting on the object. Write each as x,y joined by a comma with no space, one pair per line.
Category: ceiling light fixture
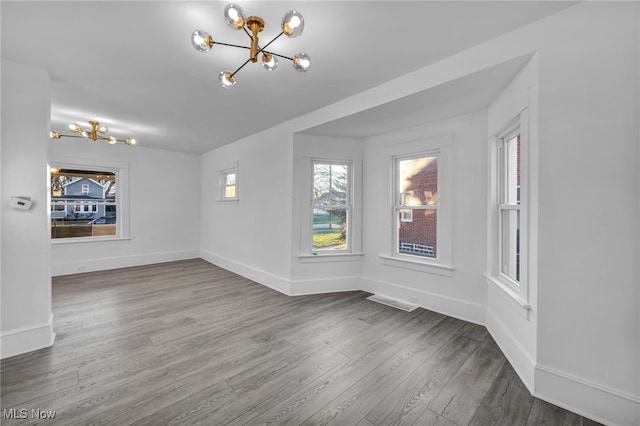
292,25
93,133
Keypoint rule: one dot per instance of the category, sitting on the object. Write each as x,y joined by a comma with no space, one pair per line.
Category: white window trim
121,169
223,184
517,291
354,233
442,147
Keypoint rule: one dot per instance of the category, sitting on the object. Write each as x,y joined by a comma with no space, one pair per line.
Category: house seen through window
83,203
416,206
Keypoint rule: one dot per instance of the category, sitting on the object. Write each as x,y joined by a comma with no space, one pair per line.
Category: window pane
83,203
329,229
511,243
418,182
230,192
330,184
511,171
231,179
418,236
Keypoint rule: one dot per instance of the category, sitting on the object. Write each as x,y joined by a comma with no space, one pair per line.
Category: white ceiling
130,64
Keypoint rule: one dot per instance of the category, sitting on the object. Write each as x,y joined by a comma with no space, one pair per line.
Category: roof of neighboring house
78,180
80,198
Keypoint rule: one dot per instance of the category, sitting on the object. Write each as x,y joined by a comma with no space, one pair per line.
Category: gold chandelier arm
58,135
260,50
240,67
233,45
278,55
267,45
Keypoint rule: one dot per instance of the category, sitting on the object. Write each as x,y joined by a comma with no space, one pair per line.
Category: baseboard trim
27,339
265,278
325,285
102,264
457,308
592,400
521,360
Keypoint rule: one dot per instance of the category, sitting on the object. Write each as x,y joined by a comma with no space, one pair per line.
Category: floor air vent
405,306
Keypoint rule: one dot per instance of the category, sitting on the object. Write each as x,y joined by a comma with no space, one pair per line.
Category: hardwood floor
190,343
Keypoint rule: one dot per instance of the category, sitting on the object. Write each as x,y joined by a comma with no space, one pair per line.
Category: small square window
229,184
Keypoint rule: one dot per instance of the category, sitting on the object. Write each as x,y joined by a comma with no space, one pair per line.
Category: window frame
443,264
401,206
504,205
121,171
223,184
348,206
518,290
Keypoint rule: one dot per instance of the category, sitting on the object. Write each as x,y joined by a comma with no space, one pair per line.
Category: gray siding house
82,198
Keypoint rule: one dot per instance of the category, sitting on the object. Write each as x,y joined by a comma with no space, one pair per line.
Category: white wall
461,294
251,236
588,334
26,256
514,326
313,274
582,338
164,207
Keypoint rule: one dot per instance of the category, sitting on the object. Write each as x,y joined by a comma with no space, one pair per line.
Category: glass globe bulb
234,16
201,41
269,62
292,23
301,62
130,141
103,129
75,128
111,140
86,133
226,79
54,134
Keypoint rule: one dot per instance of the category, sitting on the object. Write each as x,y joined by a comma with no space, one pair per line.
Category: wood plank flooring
186,343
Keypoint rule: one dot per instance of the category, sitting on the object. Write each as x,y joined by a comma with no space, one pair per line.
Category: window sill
510,295
416,265
330,257
62,241
230,201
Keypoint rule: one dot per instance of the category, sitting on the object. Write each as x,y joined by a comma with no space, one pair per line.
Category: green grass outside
327,238
324,218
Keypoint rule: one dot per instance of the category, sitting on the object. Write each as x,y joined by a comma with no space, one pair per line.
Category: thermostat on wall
21,203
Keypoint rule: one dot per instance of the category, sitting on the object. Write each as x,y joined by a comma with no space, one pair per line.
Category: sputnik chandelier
95,133
292,26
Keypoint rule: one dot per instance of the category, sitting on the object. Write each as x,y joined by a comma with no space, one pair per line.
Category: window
331,206
85,202
507,236
420,224
229,184
509,207
85,208
416,206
